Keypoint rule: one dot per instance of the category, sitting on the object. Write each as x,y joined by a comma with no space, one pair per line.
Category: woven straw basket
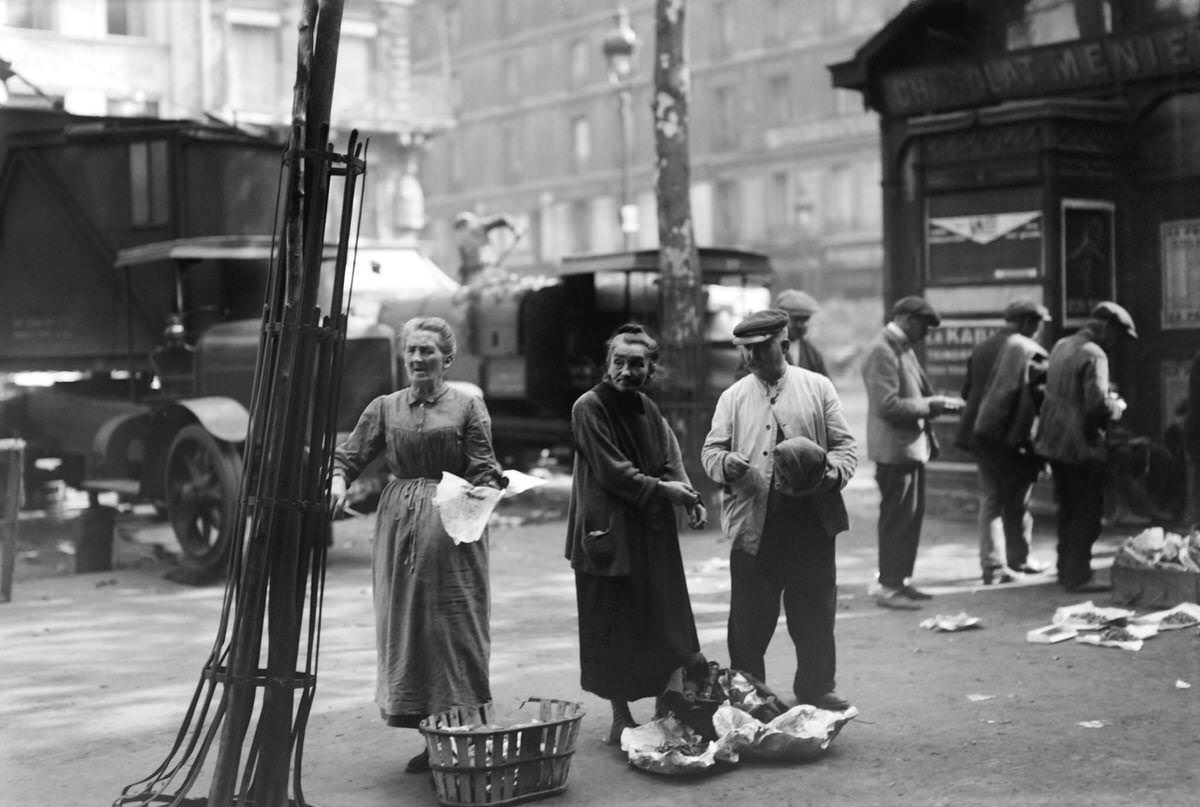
474,763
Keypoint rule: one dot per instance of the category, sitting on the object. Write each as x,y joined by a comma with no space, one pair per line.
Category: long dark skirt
634,631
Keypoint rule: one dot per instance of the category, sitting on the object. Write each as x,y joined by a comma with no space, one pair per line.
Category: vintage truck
133,261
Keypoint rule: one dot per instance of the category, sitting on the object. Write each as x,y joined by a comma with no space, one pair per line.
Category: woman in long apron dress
431,596
635,617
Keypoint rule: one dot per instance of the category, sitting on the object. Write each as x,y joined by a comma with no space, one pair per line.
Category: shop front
1048,150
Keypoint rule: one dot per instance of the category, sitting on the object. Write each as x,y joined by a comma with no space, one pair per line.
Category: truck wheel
203,476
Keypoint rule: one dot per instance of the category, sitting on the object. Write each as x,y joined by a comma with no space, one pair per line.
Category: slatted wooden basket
474,762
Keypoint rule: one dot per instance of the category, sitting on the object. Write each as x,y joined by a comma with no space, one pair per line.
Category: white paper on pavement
466,508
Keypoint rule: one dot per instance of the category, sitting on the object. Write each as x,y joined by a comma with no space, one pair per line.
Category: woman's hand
697,516
678,493
337,494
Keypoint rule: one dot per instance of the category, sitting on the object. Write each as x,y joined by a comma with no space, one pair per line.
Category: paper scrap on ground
977,697
1087,616
1184,615
1050,634
1128,637
466,508
1091,724
950,622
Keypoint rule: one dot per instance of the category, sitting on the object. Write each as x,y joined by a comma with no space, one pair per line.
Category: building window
508,71
40,14
581,226
353,96
453,23
510,146
579,52
779,214
254,68
581,142
723,119
149,184
722,22
126,17
840,198
778,22
727,206
779,100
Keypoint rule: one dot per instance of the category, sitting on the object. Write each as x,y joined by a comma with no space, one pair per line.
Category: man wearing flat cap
782,451
1004,386
800,308
1072,426
900,440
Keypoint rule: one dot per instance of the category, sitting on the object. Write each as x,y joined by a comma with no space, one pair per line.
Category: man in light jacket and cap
1072,429
800,308
1003,389
900,440
782,451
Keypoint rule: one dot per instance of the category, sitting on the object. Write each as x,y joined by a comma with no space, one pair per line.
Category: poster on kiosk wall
983,248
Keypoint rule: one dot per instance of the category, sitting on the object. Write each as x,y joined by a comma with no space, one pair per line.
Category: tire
202,481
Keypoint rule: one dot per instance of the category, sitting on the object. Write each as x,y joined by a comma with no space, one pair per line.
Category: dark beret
759,326
799,465
917,306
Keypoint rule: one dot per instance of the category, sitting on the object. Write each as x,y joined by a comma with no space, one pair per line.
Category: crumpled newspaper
466,508
1126,637
1087,616
951,622
800,733
1184,615
668,746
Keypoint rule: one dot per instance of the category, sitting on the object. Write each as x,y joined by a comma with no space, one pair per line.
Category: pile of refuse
711,717
1156,548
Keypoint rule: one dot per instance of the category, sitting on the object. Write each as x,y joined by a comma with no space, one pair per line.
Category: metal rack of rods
252,702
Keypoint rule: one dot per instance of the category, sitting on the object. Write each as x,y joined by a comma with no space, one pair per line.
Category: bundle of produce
1156,548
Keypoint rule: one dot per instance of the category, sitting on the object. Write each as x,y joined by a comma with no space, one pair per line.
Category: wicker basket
474,763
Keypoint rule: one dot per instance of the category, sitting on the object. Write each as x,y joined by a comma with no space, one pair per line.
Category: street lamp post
618,52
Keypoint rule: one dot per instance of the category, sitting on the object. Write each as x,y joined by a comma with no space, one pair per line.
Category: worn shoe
830,701
896,599
1000,575
1030,566
419,763
915,593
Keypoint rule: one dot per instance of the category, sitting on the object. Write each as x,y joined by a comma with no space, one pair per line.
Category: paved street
98,670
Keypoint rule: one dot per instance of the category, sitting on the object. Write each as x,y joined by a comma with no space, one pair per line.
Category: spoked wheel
202,479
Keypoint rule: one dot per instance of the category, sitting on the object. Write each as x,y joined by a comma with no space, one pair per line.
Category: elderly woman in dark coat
635,618
431,595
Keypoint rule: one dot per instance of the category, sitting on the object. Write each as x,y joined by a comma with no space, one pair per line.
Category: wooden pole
682,312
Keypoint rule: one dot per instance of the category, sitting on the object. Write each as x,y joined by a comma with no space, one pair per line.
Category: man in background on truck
475,250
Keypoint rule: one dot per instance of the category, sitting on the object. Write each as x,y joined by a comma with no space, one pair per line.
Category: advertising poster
984,237
1181,274
1087,259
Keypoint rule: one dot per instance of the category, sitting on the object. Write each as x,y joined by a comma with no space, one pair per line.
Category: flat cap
799,465
917,307
1114,313
759,326
1024,307
795,301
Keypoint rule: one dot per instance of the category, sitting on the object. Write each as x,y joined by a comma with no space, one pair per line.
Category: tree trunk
682,310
